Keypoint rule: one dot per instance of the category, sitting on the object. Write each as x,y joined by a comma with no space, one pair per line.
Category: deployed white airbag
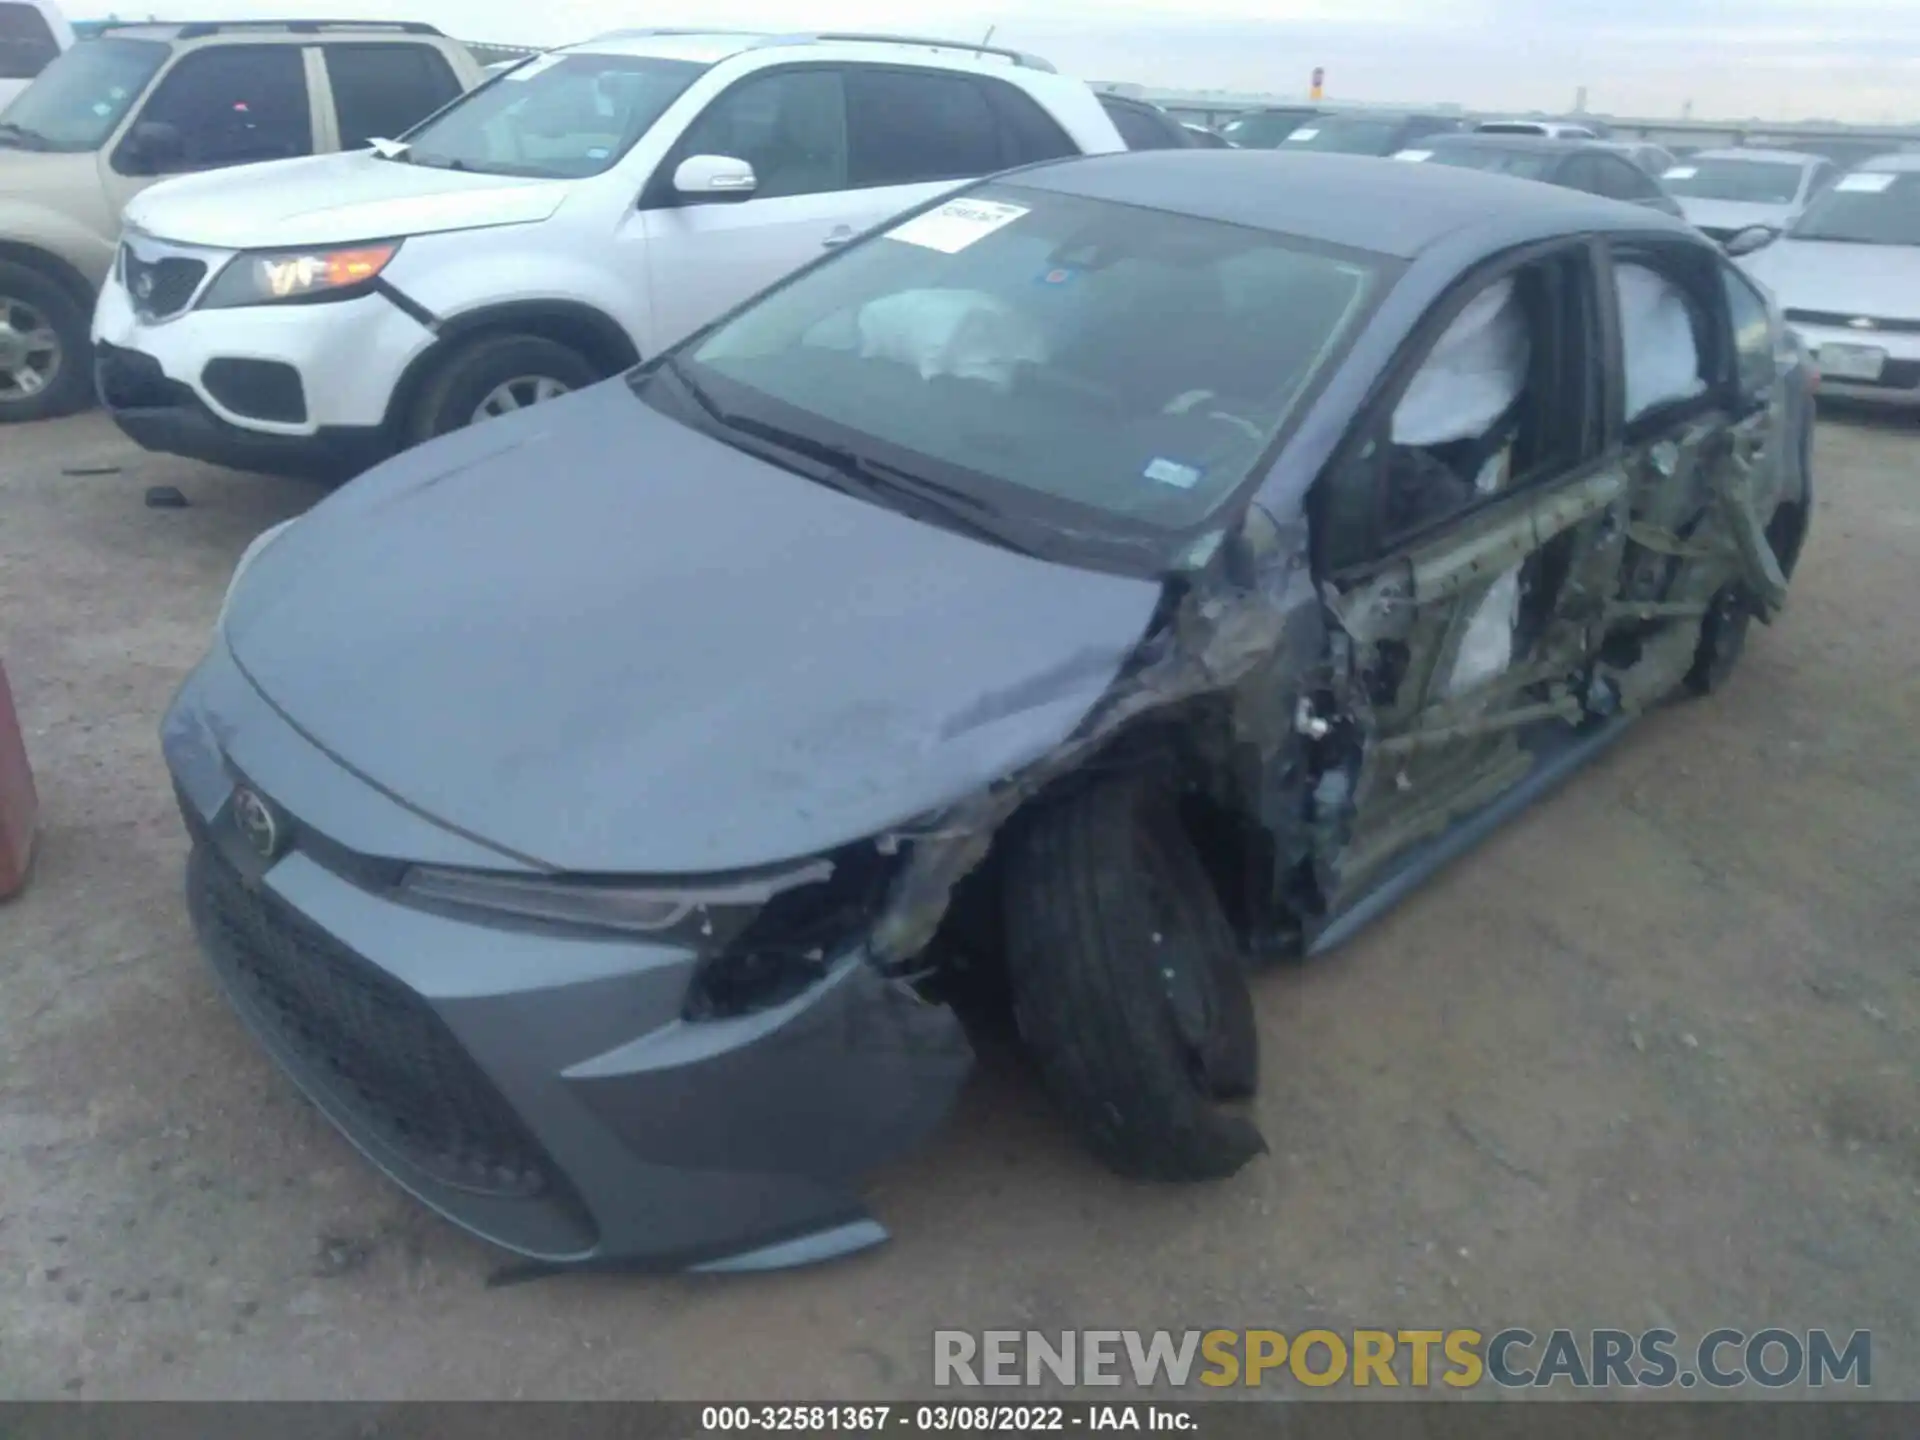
1487,647
1656,333
1474,375
963,333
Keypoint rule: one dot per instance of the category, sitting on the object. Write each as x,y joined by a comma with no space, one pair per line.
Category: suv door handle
838,236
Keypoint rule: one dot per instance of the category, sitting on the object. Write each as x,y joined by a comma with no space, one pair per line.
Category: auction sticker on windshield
1414,157
1297,136
1870,182
1681,172
957,224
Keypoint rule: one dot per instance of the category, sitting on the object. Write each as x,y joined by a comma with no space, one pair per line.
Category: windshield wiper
876,478
22,136
438,162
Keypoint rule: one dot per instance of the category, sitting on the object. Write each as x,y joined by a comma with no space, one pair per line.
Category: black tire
1723,640
66,385
1110,916
465,379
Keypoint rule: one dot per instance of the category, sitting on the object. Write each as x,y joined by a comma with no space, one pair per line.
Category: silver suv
142,102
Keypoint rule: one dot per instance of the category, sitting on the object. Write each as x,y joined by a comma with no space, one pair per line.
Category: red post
19,806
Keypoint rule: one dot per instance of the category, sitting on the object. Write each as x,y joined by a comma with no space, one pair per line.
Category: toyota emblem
257,823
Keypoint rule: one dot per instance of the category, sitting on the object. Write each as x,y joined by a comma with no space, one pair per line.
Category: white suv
586,208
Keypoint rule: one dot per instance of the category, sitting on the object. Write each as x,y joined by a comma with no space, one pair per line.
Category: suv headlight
293,277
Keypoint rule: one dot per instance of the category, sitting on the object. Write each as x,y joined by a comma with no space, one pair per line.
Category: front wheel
497,376
45,353
1128,986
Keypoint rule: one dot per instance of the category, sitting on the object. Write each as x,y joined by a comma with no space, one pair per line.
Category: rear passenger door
379,91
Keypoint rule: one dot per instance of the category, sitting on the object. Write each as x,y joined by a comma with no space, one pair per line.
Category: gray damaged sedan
1125,572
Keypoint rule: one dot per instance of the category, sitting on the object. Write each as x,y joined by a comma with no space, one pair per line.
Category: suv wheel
44,350
494,377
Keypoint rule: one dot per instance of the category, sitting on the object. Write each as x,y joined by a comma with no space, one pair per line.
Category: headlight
694,910
291,277
252,553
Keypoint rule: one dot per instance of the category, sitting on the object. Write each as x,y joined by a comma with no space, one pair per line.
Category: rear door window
234,105
907,127
27,45
382,91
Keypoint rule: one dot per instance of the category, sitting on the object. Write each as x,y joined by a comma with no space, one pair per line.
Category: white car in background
1847,275
581,211
33,33
1724,192
1547,129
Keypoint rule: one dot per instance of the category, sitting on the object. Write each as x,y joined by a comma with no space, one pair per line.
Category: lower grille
161,288
129,380
377,1046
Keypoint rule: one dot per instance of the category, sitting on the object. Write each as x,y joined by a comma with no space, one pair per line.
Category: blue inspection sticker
1172,472
598,152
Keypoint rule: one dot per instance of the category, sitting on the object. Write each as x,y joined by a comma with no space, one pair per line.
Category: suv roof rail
862,37
200,29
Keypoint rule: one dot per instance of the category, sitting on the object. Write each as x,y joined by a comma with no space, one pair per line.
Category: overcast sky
1778,59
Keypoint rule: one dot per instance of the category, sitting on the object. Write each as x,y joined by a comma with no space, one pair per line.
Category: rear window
1758,182
27,45
382,91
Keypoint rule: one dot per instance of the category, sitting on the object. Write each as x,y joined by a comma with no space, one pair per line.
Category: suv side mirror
1754,237
152,146
714,177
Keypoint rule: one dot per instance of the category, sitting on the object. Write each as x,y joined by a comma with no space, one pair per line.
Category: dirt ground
1647,1058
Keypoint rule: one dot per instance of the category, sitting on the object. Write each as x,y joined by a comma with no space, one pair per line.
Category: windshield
1526,164
1757,182
1050,353
79,99
557,117
1264,131
1349,134
1867,207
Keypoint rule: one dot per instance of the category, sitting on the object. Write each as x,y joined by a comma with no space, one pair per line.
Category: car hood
1878,280
606,642
1732,214
335,200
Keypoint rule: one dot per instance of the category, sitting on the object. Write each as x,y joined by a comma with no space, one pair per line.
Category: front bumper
1898,384
541,1090
332,368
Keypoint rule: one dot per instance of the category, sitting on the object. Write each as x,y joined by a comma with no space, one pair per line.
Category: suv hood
605,642
1882,281
335,200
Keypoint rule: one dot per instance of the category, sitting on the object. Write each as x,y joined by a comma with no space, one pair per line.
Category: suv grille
160,287
375,1045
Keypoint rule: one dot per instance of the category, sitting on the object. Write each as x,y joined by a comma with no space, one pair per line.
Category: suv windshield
1348,134
1048,355
557,117
1526,164
1265,129
1758,182
1868,207
79,99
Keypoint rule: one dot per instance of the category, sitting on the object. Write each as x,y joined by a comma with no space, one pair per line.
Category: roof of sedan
1386,206
1779,157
